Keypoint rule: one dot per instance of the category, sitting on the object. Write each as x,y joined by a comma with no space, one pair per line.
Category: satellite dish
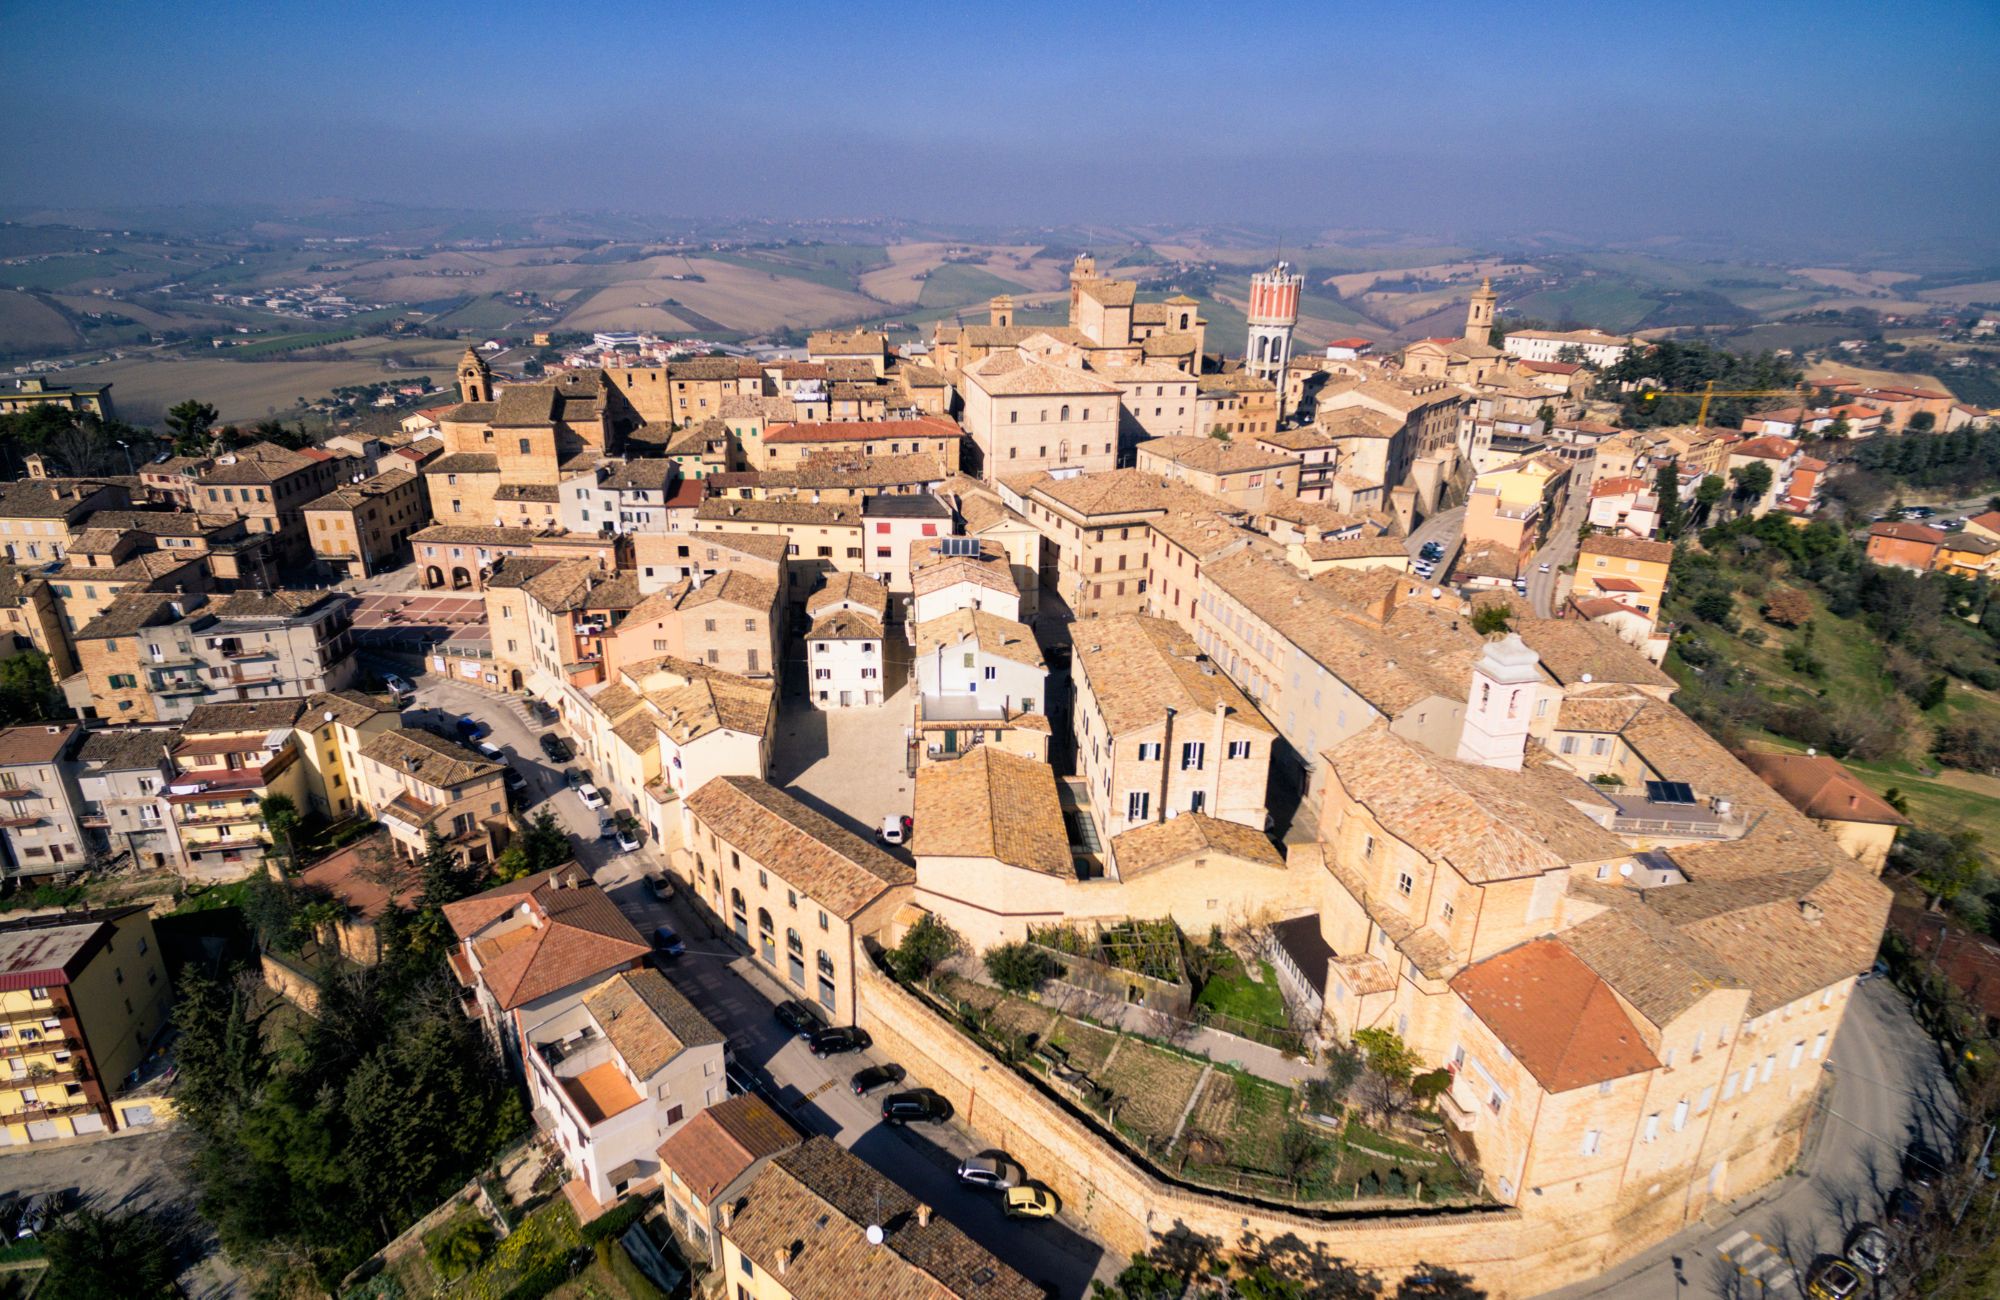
874,1234
1586,679
1625,870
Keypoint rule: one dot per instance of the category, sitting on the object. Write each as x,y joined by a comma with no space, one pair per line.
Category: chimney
728,1213
923,1215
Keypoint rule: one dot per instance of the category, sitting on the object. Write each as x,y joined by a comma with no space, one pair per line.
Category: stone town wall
1508,1252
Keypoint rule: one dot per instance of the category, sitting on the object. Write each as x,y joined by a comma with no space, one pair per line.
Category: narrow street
1548,585
738,997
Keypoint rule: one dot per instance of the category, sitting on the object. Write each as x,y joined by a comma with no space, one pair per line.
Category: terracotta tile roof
428,758
738,587
476,535
1819,786
1908,533
581,933
1138,667
832,865
1605,710
732,510
464,462
1359,548
1555,1014
350,707
1628,548
39,742
993,634
992,804
715,1147
807,1212
1653,966
931,426
647,1020
260,715
845,625
260,462
853,589
1146,848
1487,823
1570,649
1212,455
1357,422
1012,374
360,874
932,571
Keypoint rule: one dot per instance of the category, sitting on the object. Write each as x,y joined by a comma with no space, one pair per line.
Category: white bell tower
1505,683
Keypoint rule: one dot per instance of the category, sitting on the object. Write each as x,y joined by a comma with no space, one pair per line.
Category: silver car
990,1169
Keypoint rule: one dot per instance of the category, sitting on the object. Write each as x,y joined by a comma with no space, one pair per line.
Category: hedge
613,1222
630,1276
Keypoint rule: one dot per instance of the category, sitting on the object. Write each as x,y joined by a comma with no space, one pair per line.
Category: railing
32,1016
34,1113
50,1042
1456,1113
1705,828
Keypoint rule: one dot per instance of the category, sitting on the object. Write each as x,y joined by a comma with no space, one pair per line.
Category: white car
1544,568
628,838
593,798
400,688
491,751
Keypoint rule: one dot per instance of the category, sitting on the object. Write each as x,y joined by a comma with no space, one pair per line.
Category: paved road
1546,590
1446,528
127,1172
1889,1090
738,997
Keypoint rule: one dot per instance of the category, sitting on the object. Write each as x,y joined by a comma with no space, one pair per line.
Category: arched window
792,941
1065,411
1184,320
736,899
825,964
763,920
1513,703
1485,694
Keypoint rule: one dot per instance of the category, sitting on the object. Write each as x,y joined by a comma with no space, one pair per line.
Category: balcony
51,1042
34,1113
1456,1113
1638,815
410,814
31,1016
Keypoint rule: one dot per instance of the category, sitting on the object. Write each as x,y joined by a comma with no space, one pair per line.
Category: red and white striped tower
1274,312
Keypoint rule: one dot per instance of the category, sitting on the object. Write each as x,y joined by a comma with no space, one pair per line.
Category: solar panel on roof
1669,792
949,546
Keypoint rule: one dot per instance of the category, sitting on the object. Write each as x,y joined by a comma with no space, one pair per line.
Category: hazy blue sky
1865,121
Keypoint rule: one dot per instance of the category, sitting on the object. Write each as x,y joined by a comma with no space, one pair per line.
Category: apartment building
82,997
1905,546
710,1163
332,729
1160,732
88,583
40,518
766,1255
420,784
786,445
233,556
1237,404
361,528
819,539
268,488
40,803
729,620
122,775
1593,347
31,618
462,555
229,759
664,559
978,673
532,948
1511,506
844,650
894,524
1629,570
1241,473
954,573
797,891
1024,415
1156,400
981,514
1096,529
622,1070
1312,455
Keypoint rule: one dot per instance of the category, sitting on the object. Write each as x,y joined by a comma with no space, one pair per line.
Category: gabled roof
713,1149
576,933
1556,1014
831,864
648,1020
992,804
1160,844
1818,785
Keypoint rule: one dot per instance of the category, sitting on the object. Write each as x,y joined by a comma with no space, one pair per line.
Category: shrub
1430,1085
1019,968
924,947
615,1220
621,1266
1322,1097
460,1245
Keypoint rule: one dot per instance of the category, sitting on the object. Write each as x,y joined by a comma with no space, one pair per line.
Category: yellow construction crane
1710,393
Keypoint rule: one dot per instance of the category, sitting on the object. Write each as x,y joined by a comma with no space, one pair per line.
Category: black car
556,748
799,1018
1903,1208
514,781
919,1106
542,713
838,1040
875,1076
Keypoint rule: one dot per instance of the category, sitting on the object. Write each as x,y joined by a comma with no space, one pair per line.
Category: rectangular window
1680,1114
1819,1046
1798,1054
1193,754
1706,1099
1651,1133
1149,751
991,673
1138,806
1404,883
1592,1139
1239,749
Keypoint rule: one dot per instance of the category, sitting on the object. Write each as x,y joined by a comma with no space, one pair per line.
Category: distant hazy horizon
1842,125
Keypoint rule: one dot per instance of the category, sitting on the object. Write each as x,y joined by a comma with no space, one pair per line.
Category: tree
93,1254
1752,482
28,692
925,946
1945,863
1491,620
1020,967
1710,490
191,421
545,844
1667,491
1921,422
1788,607
1973,746
1385,1085
281,817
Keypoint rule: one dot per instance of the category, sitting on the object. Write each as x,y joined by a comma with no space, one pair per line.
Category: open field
1860,283
1357,282
1960,295
252,390
736,296
1831,368
26,323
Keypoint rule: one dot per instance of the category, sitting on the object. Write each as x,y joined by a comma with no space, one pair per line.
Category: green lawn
956,284
1231,992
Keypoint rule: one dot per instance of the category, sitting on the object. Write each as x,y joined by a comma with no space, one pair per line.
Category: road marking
1732,1242
1780,1282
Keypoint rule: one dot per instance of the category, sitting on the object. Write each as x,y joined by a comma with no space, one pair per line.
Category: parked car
918,1106
838,1040
666,942
990,1169
593,798
38,1213
514,781
557,749
628,837
1903,1208
660,887
1030,1201
1875,972
472,728
400,688
874,1077
893,830
606,828
1836,1279
800,1018
574,777
1542,568
491,750
1872,1248
542,713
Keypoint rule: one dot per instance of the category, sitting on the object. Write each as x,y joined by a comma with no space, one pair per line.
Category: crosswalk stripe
1780,1282
1731,1242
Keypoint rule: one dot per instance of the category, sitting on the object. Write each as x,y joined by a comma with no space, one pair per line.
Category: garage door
88,1123
136,1116
42,1130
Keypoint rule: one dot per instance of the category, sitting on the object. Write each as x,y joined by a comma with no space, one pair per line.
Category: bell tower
1000,311
1081,272
1505,682
475,380
1274,312
1479,313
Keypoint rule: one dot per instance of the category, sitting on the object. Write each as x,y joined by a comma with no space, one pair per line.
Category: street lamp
128,456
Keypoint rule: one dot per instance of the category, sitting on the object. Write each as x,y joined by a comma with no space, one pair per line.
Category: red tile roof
1555,1014
856,430
1908,533
579,933
1819,786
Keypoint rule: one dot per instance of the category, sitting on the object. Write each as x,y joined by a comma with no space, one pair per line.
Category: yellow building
35,391
1629,570
419,784
332,731
358,528
82,996
1509,503
229,759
